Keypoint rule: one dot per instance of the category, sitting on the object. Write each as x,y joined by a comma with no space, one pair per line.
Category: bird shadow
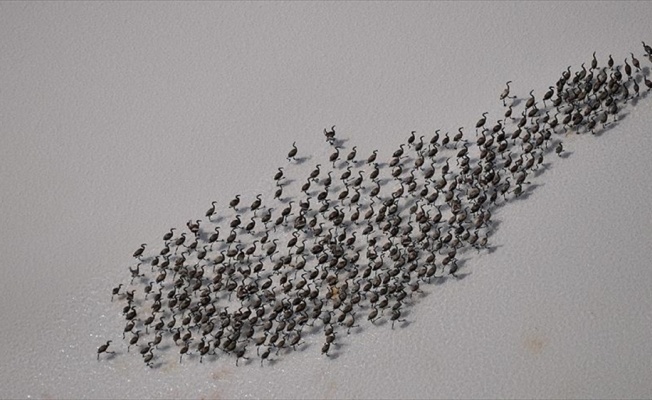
402,324
542,168
439,280
270,361
216,220
302,346
302,160
491,249
245,361
516,101
527,192
156,365
621,117
354,330
603,130
111,355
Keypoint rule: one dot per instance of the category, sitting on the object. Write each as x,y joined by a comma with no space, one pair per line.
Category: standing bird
435,138
458,136
115,291
180,240
214,236
372,157
530,102
256,204
236,222
193,226
272,249
315,173
505,94
279,175
398,153
140,251
209,212
330,135
548,94
635,62
103,348
410,140
648,49
335,156
279,192
351,155
233,203
648,84
628,70
292,152
169,235
481,122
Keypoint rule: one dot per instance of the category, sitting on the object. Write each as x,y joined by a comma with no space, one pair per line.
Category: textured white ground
121,120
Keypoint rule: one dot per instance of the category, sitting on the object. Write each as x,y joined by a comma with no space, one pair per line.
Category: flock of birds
354,244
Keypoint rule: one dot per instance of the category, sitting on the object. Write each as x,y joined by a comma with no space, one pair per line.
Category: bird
140,251
209,212
103,349
481,122
292,152
233,203
505,94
